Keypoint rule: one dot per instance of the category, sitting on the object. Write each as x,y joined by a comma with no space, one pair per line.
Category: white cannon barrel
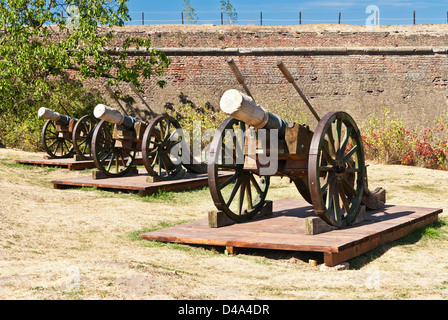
108,114
111,115
242,107
53,115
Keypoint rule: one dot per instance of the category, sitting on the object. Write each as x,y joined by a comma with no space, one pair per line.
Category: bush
20,127
387,140
430,149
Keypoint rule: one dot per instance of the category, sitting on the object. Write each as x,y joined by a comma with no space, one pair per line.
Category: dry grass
84,244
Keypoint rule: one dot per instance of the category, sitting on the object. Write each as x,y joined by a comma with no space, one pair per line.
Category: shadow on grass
432,232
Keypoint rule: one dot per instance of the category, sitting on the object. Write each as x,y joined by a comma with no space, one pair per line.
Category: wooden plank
285,231
69,163
137,183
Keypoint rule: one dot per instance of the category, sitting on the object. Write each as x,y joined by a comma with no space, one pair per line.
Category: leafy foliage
46,43
229,12
190,13
386,139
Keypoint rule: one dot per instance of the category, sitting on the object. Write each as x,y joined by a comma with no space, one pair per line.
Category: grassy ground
84,244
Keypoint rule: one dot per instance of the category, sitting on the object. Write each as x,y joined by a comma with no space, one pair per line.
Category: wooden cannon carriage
64,136
327,165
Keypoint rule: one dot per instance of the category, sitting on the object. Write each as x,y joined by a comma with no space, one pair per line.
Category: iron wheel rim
336,175
245,182
105,154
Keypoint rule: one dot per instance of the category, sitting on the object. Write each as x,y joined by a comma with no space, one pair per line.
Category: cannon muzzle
53,115
242,107
111,115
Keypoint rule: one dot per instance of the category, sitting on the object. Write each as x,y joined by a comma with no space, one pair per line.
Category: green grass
135,235
425,188
12,164
434,231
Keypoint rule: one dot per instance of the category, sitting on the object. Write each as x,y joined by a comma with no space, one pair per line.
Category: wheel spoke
255,184
52,144
331,143
344,199
329,180
241,198
57,147
248,195
155,159
337,206
160,164
338,133
326,153
234,191
167,130
345,141
123,161
111,161
329,198
229,181
106,156
349,187
350,153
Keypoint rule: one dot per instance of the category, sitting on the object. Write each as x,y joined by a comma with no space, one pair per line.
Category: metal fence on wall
290,18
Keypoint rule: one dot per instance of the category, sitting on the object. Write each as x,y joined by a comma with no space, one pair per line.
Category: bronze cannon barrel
242,107
111,115
53,115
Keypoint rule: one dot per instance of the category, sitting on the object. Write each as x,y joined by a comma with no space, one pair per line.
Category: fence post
339,18
300,17
143,18
414,16
182,14
222,20
261,18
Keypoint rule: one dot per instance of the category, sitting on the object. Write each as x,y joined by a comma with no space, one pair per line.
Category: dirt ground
84,244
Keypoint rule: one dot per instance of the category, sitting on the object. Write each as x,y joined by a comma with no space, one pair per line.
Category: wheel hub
339,168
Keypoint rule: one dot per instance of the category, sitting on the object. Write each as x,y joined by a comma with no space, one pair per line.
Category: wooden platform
69,163
285,231
137,183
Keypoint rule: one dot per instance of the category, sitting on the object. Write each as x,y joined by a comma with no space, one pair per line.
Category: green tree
46,42
189,12
228,11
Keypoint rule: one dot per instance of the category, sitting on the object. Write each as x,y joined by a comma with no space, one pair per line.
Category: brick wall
351,68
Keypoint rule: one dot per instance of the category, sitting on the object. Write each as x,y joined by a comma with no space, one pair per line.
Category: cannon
64,136
327,166
118,138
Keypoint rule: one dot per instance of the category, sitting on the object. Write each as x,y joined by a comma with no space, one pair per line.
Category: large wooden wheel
112,160
82,136
242,195
56,145
160,148
336,169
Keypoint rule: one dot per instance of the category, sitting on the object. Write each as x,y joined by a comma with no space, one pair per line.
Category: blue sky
286,12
